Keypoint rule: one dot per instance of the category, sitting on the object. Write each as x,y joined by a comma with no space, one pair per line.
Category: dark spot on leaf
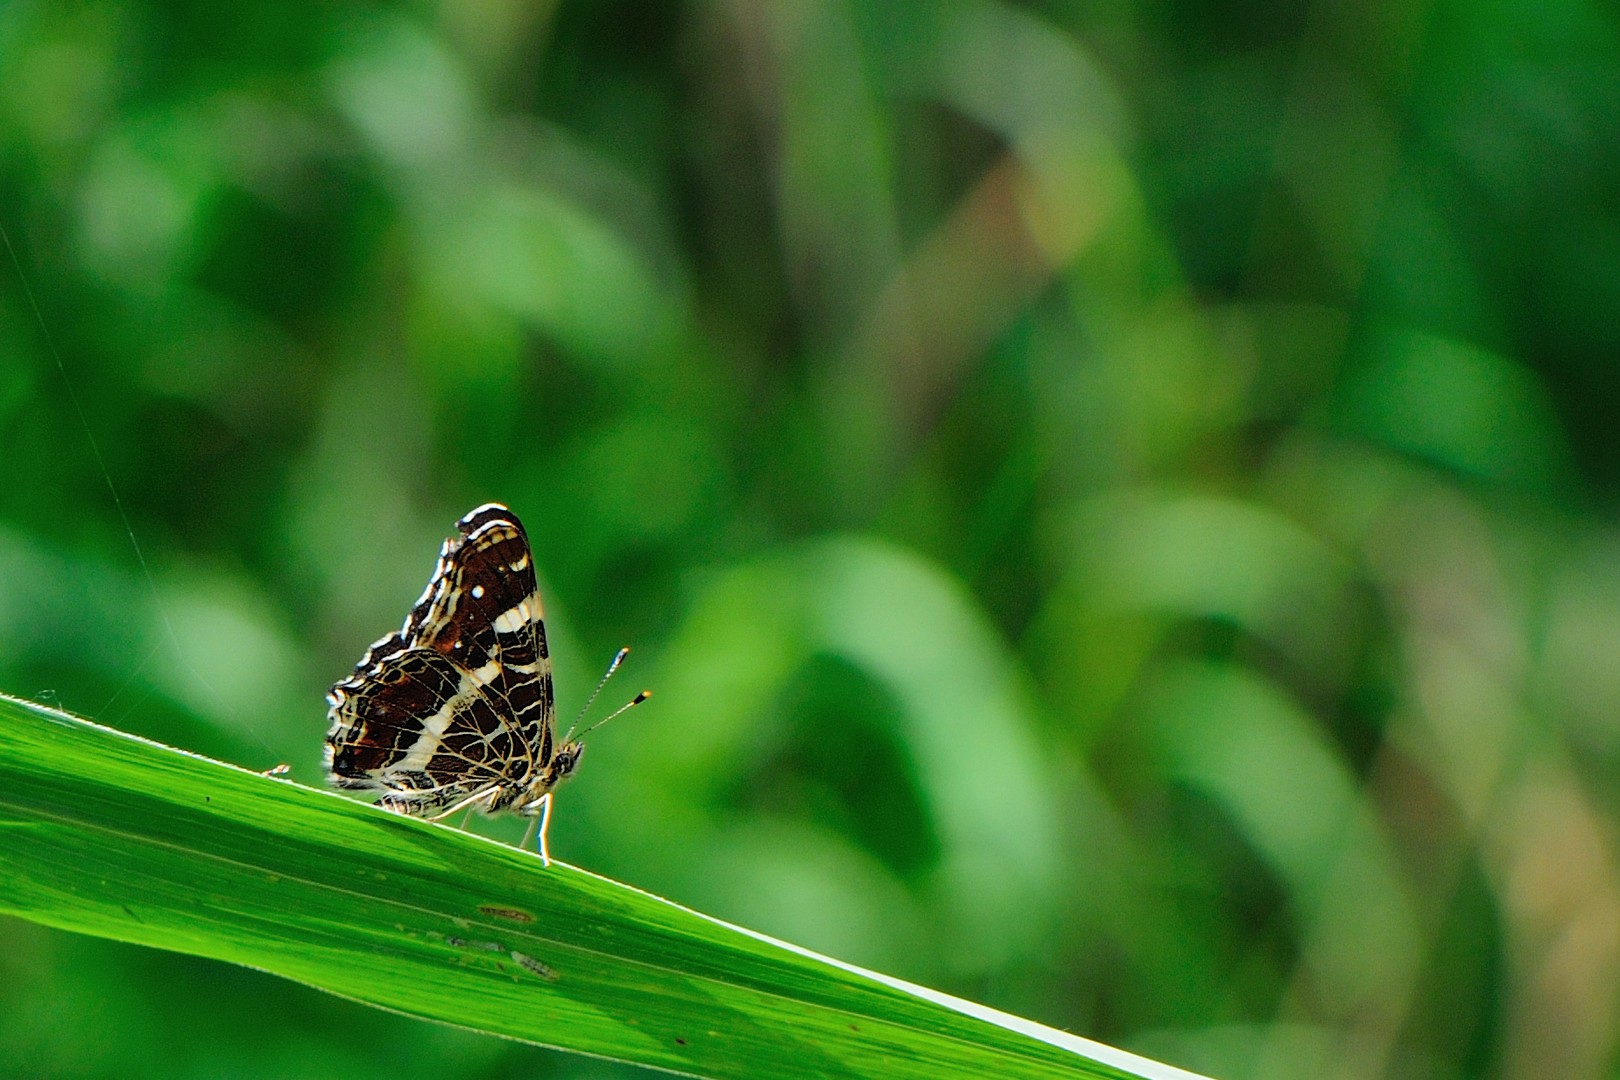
531,964
514,914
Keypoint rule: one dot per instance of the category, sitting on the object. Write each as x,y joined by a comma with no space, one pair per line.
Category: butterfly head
564,761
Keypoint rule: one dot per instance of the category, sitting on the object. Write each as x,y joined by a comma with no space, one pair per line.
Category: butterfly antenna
618,658
626,707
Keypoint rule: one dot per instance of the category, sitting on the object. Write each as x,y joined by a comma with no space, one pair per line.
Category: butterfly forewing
460,700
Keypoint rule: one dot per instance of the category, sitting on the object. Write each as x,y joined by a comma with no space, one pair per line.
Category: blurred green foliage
1116,501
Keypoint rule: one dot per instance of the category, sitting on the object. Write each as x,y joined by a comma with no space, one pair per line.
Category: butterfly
455,711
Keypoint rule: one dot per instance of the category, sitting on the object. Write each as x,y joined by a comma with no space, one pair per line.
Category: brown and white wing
461,698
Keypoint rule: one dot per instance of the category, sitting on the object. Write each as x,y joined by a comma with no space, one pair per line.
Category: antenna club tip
643,696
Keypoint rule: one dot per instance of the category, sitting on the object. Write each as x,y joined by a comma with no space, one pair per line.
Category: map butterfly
455,711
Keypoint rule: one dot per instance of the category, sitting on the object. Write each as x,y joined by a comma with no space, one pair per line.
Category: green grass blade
107,834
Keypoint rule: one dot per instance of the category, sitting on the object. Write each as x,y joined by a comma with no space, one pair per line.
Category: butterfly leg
528,834
544,822
469,803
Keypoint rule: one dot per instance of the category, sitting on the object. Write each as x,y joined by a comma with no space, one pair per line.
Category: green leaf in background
119,837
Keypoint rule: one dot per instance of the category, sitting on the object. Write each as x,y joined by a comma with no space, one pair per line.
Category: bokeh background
1117,501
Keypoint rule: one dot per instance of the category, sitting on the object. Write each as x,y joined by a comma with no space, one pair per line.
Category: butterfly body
456,709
